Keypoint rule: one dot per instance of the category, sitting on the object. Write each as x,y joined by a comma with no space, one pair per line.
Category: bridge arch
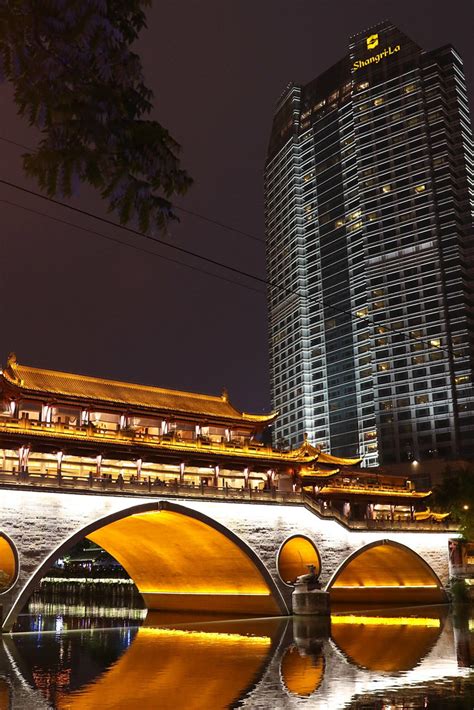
9,563
179,558
386,571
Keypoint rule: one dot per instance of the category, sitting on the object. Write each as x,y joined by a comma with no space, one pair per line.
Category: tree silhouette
77,80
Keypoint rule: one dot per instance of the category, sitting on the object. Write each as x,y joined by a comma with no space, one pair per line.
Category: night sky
72,301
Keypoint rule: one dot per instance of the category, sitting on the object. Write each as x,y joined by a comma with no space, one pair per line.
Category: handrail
126,435
146,488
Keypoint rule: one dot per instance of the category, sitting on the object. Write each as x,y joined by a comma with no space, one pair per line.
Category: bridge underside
181,563
386,573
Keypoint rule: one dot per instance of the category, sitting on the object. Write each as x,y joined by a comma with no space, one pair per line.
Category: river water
103,658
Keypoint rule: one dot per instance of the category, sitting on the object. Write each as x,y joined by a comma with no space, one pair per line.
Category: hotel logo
372,41
375,58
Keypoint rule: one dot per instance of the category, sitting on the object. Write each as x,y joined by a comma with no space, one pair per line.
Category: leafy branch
76,79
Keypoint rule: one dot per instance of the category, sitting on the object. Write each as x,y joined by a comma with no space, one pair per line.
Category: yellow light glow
295,556
185,669
387,644
386,621
7,564
301,674
206,635
177,561
387,586
384,572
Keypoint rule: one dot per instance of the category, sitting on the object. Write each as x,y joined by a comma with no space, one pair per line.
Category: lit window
339,223
461,379
409,88
420,188
362,313
377,292
308,176
372,216
379,101
387,188
370,435
386,405
354,215
363,85
422,399
418,359
378,305
435,342
381,341
383,366
354,226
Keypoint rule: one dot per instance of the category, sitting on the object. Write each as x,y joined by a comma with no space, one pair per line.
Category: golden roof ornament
11,368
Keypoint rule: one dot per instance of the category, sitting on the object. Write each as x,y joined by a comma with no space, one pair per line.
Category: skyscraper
370,248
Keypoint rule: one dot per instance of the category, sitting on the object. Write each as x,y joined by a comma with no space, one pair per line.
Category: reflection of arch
169,668
301,674
9,566
386,572
388,644
294,556
178,558
5,695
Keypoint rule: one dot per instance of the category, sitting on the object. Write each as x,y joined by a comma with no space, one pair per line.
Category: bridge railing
146,487
334,514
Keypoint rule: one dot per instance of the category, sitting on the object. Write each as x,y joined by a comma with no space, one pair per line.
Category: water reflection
188,661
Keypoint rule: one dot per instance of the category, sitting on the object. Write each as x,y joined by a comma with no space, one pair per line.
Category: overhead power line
131,246
387,328
192,213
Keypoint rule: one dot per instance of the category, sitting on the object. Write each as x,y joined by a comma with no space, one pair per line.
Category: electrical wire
131,246
326,304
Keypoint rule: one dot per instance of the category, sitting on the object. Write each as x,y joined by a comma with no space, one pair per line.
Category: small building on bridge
94,431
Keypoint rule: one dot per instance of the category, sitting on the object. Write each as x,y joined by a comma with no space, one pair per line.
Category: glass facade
369,216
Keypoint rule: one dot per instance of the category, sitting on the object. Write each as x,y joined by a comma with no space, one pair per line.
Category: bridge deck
146,488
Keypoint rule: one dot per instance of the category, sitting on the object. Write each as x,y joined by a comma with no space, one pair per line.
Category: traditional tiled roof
378,491
314,452
82,387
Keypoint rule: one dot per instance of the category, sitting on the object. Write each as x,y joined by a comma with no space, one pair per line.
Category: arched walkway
179,559
386,572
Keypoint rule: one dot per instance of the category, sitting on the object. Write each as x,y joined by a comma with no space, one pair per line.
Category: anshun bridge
179,489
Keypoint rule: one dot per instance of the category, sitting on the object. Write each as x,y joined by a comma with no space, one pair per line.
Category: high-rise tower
369,186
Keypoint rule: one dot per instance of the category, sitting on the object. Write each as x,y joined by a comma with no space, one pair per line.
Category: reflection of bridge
263,663
221,556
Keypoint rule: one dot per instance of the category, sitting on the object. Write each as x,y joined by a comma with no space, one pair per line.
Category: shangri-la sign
372,43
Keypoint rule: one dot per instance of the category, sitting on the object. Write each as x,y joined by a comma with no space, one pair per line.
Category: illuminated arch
179,559
386,572
9,566
294,556
385,643
301,674
195,666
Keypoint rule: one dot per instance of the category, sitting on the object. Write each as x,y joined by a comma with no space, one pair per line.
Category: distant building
369,207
